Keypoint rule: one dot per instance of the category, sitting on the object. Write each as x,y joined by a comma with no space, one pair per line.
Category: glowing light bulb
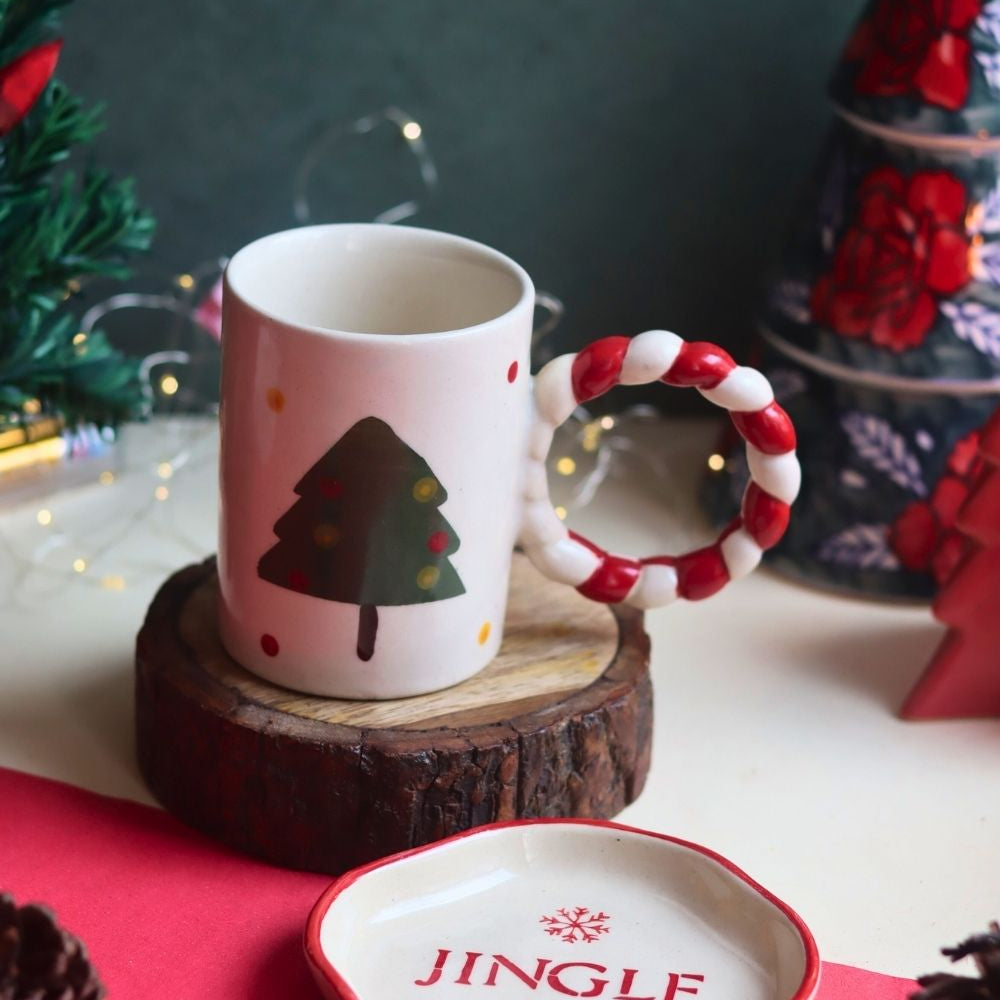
566,466
44,517
412,130
561,513
80,565
591,439
185,281
607,422
169,385
161,493
716,463
164,470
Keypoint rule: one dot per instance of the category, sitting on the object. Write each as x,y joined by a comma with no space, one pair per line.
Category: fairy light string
589,451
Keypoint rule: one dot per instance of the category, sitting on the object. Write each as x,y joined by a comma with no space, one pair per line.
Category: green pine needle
57,229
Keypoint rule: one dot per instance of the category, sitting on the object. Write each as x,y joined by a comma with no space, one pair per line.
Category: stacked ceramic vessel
881,332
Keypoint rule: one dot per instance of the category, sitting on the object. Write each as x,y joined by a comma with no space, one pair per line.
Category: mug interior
376,279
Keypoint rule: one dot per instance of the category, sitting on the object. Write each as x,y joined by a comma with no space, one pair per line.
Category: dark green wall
637,157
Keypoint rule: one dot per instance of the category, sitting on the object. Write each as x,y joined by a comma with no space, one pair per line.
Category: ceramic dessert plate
557,908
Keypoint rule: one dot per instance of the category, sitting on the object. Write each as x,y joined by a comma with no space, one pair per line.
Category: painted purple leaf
976,324
988,21
989,63
853,479
985,259
884,449
985,217
791,299
865,546
786,382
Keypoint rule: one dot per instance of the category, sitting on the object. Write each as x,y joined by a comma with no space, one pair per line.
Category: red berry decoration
23,80
269,644
438,542
512,371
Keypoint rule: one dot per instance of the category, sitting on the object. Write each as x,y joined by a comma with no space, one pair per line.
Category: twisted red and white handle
654,356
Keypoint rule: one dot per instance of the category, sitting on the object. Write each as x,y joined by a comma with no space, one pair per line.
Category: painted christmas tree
963,678
366,530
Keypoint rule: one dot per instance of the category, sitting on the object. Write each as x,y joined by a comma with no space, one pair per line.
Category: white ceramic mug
383,448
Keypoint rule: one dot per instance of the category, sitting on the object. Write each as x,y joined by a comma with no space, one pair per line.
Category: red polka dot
269,644
438,542
331,488
512,371
297,580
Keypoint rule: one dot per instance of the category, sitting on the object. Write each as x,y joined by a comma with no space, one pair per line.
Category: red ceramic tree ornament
963,678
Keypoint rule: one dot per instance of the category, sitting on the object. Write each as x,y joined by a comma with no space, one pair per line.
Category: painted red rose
906,247
923,536
915,47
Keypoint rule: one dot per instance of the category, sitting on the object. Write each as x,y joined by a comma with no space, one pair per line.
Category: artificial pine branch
56,123
57,229
24,23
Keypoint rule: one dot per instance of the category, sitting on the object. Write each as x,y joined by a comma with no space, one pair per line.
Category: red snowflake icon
577,924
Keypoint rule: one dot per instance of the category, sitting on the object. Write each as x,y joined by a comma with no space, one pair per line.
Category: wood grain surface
559,724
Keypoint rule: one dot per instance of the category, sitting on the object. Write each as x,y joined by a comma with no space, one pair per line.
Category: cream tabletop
776,739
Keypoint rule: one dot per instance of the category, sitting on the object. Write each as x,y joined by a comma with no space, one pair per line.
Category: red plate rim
314,953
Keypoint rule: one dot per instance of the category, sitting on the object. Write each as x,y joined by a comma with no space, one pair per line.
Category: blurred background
638,159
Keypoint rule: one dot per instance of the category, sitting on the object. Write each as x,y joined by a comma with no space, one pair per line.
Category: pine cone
985,949
39,960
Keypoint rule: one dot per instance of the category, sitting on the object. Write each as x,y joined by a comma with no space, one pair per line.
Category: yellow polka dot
326,535
427,577
484,633
275,399
425,489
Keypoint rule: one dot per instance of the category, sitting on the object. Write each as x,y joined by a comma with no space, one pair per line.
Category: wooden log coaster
560,724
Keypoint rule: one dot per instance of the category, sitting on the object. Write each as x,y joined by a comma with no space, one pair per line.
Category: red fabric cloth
168,913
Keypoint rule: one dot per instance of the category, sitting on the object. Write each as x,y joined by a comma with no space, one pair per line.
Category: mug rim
440,237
